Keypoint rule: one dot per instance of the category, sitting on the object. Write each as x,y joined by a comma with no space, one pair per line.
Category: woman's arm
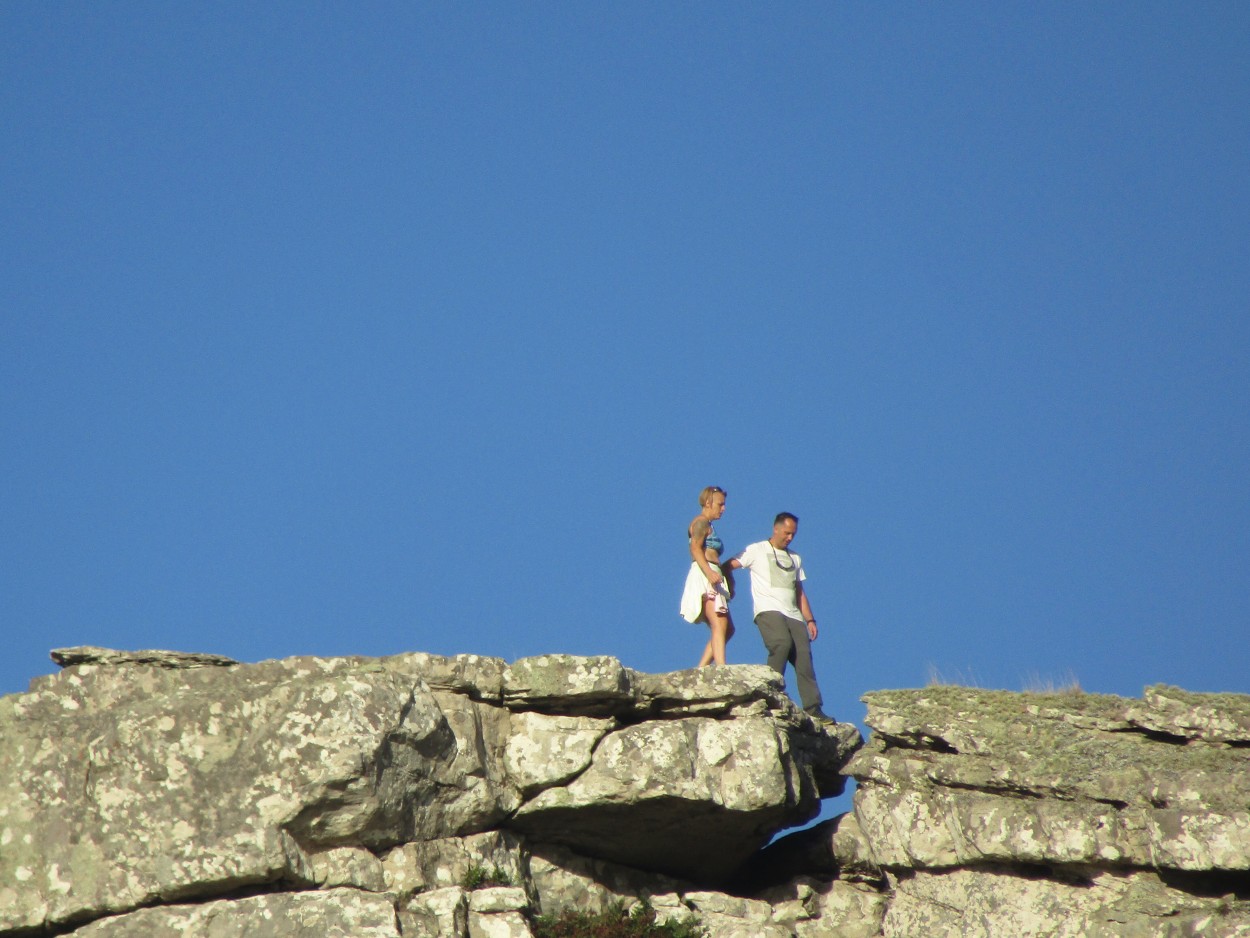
699,529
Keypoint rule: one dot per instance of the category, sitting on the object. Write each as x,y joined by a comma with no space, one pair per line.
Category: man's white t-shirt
773,574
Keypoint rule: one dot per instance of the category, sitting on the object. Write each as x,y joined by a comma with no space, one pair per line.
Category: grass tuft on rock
615,922
479,877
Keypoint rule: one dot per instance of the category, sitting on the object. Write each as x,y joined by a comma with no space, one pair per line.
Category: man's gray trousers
786,640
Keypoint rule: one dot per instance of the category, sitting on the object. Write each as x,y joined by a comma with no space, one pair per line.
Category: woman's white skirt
698,587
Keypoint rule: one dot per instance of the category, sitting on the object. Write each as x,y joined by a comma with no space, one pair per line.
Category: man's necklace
777,560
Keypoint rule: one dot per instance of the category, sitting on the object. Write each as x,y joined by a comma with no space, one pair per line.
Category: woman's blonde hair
706,495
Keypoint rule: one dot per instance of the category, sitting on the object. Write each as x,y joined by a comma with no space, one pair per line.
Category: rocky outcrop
144,790
995,813
168,794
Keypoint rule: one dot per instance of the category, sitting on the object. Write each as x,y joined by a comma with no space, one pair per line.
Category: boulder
957,776
139,783
158,784
499,912
694,775
564,879
544,750
438,913
425,865
692,798
569,685
1213,718
125,784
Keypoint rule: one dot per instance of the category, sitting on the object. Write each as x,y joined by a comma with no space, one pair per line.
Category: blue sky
363,328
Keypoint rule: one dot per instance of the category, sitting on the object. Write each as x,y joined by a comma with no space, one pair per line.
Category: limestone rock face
671,789
1058,815
171,794
130,784
986,903
336,913
1213,718
955,776
710,791
140,789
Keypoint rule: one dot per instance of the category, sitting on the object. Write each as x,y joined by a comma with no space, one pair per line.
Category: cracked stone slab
712,691
545,750
1105,904
335,913
146,782
438,913
422,866
568,684
692,798
476,676
957,775
124,784
90,654
1210,717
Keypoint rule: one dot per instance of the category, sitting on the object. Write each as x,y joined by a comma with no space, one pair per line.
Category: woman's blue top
713,542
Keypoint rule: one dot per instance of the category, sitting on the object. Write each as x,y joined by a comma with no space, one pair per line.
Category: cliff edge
171,794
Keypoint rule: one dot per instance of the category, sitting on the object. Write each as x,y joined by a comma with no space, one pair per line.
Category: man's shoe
820,718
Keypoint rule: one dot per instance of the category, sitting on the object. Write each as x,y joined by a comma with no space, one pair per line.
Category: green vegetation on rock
479,877
615,922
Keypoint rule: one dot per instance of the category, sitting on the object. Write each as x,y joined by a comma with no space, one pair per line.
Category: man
782,612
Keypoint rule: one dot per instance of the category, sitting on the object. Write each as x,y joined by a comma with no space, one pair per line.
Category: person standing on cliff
782,612
705,597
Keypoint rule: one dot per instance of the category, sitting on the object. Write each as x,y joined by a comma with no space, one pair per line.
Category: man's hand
812,631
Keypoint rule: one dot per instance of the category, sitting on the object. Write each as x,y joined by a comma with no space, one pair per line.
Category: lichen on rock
164,793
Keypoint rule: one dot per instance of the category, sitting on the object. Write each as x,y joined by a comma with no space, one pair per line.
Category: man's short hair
784,517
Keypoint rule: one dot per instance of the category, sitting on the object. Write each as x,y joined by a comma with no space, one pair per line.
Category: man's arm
806,608
728,569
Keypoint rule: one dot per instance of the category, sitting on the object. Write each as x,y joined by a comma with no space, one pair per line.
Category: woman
707,592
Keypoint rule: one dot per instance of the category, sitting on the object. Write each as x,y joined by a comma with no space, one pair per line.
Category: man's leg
804,670
777,639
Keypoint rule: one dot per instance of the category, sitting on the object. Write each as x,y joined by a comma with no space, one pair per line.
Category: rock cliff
168,794
1077,814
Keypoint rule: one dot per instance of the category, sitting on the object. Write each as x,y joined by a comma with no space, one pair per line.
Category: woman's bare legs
722,626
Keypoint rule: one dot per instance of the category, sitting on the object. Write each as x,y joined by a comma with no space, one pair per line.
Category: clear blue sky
338,328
